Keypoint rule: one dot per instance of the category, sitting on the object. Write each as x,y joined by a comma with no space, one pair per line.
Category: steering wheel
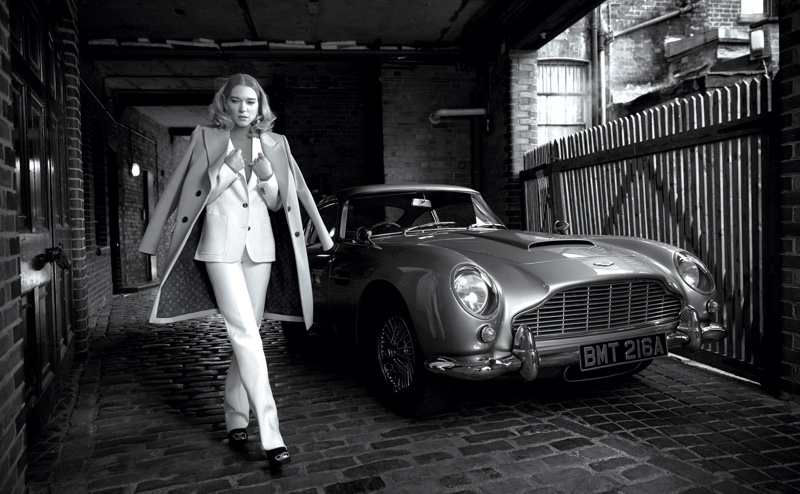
382,224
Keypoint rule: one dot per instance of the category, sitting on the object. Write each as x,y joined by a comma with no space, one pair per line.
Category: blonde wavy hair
220,118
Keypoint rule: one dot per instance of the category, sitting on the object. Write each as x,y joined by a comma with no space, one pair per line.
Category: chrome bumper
526,359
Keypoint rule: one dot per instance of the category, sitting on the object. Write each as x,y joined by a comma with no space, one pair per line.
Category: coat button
288,208
296,234
244,205
184,219
198,193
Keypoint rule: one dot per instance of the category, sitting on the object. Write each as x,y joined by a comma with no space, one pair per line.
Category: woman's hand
262,167
235,161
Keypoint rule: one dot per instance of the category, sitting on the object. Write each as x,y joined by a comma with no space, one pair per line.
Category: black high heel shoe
237,438
278,457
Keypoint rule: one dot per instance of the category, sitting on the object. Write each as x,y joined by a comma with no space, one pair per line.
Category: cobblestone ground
143,414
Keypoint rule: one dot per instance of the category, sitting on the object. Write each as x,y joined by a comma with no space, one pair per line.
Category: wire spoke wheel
396,354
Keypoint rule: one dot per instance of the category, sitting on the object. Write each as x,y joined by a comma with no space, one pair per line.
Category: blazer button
198,193
288,208
296,234
244,205
248,228
184,219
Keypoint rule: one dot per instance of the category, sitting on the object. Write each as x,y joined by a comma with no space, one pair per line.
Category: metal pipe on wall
595,49
436,116
656,20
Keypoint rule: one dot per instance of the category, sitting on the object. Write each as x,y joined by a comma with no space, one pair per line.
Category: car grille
600,308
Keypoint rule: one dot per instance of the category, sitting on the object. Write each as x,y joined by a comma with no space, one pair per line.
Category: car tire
295,334
397,361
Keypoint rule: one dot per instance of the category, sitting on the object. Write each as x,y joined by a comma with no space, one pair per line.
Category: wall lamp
135,169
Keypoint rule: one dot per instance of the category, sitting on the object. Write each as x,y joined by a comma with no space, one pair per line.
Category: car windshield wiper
488,225
429,225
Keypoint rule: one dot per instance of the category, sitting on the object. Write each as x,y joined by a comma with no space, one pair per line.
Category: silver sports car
427,283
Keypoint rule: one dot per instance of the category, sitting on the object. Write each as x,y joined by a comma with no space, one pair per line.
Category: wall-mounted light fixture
135,169
758,44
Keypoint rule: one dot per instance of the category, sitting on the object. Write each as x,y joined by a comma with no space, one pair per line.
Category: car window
460,213
393,212
366,214
328,215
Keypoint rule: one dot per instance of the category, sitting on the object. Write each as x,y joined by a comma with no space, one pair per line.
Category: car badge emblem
603,264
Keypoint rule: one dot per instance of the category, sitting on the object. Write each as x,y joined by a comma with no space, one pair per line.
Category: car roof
344,194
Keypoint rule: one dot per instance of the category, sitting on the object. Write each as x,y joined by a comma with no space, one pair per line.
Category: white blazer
237,218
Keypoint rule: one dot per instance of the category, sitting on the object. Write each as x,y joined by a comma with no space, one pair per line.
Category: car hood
530,248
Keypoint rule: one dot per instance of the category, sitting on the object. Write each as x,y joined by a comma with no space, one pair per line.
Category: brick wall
67,32
12,376
511,82
140,140
573,43
415,150
637,58
330,114
96,134
788,99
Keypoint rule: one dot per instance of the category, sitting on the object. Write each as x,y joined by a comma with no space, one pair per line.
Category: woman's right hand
235,161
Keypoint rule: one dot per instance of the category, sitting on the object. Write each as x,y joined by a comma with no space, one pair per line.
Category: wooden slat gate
690,173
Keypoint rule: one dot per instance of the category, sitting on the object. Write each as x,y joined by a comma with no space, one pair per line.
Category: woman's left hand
262,167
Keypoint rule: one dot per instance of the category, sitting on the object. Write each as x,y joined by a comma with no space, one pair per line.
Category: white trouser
240,289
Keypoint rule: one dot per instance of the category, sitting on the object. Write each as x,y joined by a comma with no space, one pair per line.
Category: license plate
623,351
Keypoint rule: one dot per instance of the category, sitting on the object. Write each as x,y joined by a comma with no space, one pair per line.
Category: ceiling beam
178,97
111,53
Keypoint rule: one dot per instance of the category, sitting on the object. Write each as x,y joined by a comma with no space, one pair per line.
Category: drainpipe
593,35
656,20
602,64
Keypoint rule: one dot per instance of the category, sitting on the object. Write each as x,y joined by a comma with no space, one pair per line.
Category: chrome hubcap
396,352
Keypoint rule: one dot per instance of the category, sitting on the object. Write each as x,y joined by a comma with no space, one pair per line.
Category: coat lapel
216,148
277,157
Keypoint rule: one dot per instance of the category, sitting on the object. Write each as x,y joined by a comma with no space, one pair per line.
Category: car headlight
693,272
475,291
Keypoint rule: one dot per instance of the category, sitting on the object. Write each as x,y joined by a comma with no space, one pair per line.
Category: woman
224,248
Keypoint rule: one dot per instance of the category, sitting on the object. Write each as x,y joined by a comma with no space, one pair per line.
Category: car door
319,262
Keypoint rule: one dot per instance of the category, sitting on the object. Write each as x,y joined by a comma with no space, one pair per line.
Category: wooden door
43,226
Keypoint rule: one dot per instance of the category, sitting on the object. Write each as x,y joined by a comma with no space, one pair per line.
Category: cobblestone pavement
143,414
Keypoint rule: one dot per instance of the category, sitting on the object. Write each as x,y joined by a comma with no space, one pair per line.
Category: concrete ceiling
163,56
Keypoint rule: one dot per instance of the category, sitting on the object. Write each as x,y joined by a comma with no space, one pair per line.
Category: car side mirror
561,227
364,236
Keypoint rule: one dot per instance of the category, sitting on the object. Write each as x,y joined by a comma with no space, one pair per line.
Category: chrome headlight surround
475,291
693,272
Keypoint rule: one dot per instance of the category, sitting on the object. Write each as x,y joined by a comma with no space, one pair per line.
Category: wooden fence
690,173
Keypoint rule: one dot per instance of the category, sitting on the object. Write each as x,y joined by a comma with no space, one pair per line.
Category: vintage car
427,283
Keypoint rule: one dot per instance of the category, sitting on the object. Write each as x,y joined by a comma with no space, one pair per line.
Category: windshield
394,213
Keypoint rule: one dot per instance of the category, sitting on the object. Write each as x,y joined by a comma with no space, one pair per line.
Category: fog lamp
712,306
488,334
